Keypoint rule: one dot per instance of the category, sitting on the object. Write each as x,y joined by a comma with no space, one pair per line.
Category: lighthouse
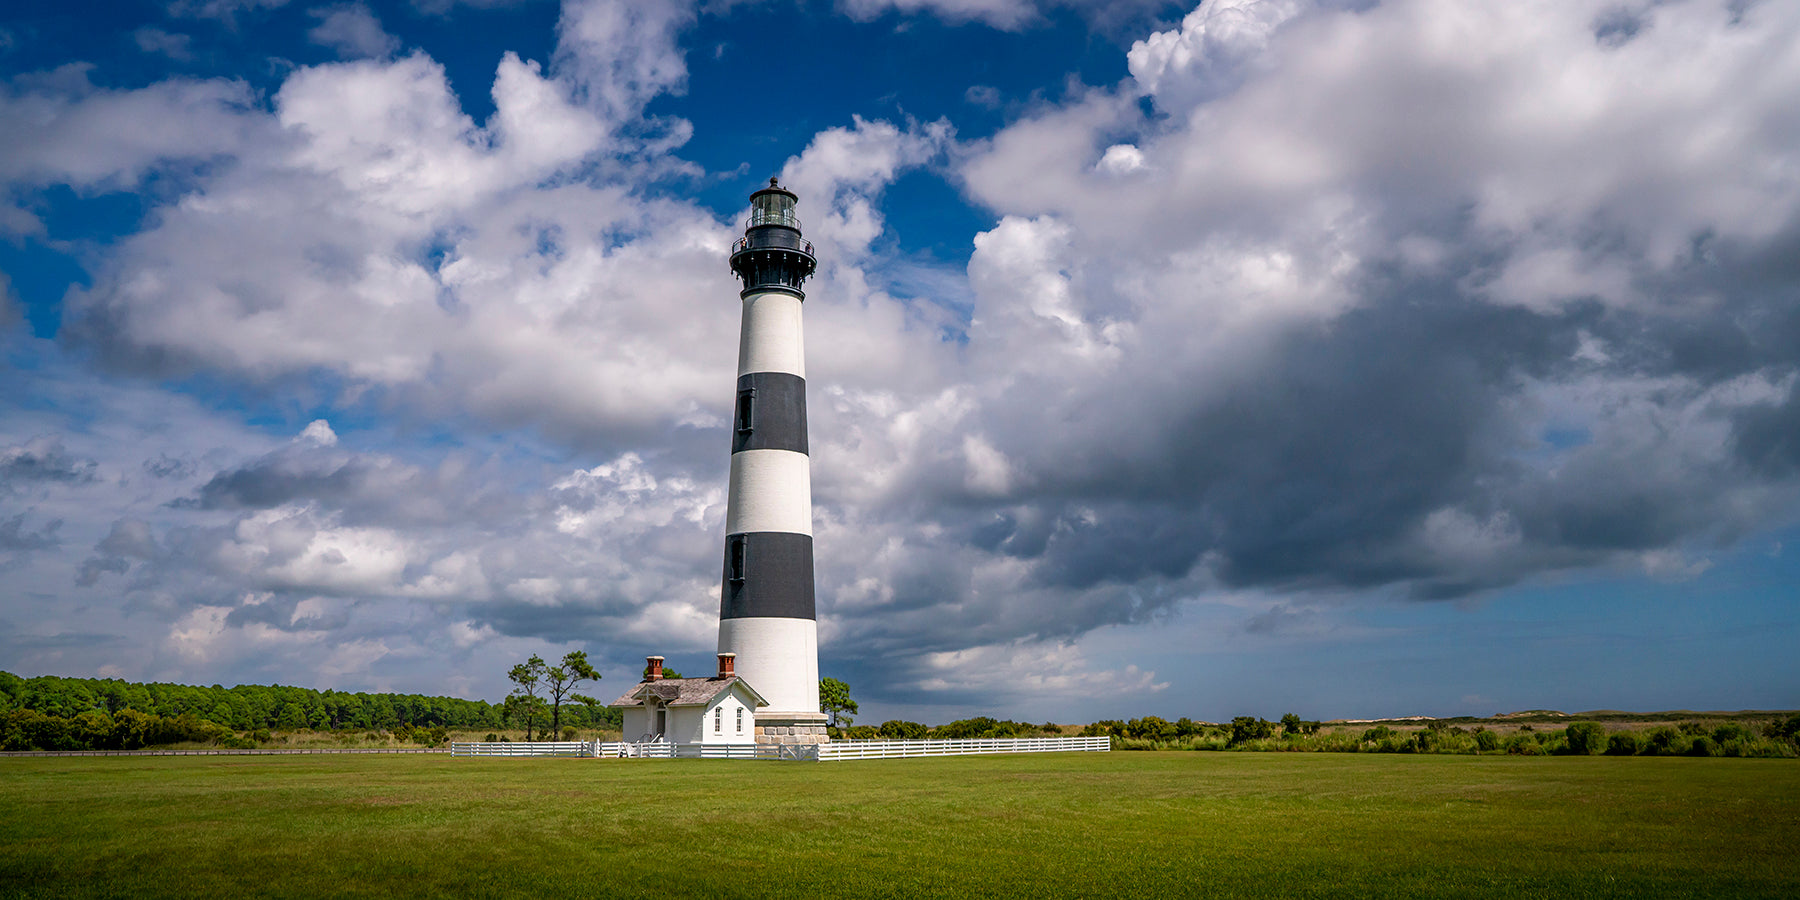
766,614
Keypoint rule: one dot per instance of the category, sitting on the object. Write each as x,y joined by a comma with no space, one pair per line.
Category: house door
662,722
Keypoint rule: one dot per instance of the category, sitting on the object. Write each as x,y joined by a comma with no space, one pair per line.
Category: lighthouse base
791,728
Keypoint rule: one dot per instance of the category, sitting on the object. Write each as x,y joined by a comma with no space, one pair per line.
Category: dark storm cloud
15,536
42,459
366,487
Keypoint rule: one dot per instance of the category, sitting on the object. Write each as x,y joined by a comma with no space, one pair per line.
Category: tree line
52,713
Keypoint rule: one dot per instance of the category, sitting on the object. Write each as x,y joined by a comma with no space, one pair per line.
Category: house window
740,720
718,719
746,410
735,547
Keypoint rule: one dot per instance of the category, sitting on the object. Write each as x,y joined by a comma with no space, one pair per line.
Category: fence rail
970,746
819,752
524,748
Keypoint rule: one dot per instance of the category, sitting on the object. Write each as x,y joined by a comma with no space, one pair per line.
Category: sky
1345,358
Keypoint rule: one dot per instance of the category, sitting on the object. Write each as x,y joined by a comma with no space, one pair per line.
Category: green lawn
1076,824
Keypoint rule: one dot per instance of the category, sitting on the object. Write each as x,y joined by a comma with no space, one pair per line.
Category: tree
834,700
561,682
1250,728
520,708
1585,738
526,675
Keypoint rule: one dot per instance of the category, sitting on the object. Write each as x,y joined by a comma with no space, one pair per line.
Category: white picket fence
523,748
835,750
964,747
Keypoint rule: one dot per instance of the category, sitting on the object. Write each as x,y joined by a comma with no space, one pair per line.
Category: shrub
1666,741
1377,734
1487,740
1250,728
1523,745
1585,738
1703,746
1153,728
1691,728
862,733
1623,743
569,732
900,730
491,738
1731,731
1788,730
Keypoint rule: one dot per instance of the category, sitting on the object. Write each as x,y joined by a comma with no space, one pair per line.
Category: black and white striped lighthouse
766,596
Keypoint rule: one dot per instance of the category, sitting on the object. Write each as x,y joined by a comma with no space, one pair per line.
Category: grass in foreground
1146,824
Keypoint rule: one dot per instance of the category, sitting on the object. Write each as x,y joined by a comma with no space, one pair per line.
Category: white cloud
178,47
1206,55
352,30
86,136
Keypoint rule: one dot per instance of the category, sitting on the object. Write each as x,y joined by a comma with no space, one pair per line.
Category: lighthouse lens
773,208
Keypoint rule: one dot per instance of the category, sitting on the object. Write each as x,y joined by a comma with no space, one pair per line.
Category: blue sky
1345,358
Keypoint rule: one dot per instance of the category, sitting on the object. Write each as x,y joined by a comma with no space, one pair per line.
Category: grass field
1114,824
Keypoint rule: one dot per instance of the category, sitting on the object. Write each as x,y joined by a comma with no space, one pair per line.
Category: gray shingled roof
685,691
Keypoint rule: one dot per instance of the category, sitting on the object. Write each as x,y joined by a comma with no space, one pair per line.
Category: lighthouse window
746,410
718,720
735,553
740,720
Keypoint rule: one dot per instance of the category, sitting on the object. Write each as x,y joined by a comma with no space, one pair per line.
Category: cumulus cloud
1362,281
352,30
86,136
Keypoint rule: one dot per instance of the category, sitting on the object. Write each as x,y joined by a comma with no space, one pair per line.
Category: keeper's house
717,710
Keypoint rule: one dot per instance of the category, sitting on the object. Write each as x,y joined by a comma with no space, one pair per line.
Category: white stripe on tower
771,637
771,490
772,339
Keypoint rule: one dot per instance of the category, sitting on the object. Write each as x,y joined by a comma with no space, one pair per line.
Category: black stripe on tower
768,574
770,412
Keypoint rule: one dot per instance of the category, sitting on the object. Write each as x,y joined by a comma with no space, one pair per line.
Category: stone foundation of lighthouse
766,610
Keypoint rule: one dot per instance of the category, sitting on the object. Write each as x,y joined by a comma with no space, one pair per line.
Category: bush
1623,743
568,734
1523,745
1585,738
1787,730
1377,734
1249,728
1486,740
1703,746
1666,741
901,730
1731,731
492,738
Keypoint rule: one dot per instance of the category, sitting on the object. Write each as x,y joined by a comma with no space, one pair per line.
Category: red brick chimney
727,665
655,668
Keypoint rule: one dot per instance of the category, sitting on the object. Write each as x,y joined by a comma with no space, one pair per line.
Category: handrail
738,246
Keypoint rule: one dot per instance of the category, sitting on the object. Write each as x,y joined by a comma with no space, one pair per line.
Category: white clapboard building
716,710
